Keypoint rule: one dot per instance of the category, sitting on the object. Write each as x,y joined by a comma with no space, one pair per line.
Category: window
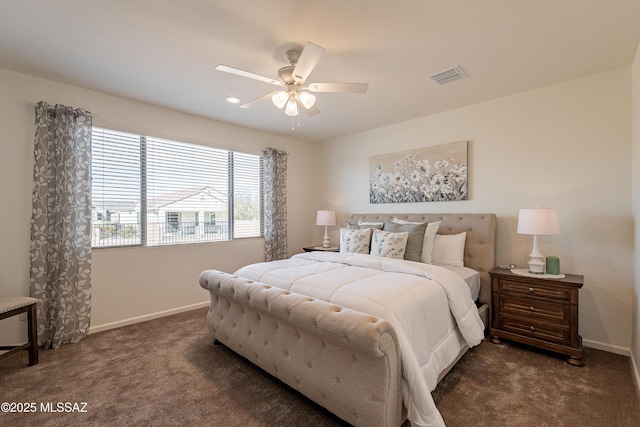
173,221
152,191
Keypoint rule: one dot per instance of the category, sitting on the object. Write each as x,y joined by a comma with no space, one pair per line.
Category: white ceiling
163,52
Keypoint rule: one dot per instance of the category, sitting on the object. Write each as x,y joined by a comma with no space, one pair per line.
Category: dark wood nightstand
537,311
320,248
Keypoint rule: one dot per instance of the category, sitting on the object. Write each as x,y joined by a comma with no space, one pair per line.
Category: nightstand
320,248
537,311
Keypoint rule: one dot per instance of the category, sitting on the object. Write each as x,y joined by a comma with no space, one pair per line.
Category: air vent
448,76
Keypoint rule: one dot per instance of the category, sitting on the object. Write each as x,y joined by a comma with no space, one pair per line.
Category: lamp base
536,265
536,262
326,243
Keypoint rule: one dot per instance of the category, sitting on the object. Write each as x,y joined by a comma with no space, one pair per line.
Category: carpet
167,372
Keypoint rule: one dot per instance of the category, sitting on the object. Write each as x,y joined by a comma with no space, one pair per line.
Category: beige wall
635,111
565,146
135,283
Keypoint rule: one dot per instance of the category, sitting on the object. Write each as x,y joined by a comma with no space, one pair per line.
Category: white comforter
429,307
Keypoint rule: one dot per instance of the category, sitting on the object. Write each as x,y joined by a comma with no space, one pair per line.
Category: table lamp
326,218
537,222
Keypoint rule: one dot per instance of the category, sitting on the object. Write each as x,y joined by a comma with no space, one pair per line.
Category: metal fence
104,235
187,232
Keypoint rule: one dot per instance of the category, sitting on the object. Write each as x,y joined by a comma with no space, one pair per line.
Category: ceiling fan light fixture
280,99
292,107
306,99
292,80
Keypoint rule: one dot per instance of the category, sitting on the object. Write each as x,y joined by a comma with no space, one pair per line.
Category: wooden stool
13,306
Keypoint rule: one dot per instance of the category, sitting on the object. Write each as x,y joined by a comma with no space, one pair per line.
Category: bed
331,326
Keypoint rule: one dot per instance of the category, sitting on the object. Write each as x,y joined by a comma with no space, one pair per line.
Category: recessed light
233,99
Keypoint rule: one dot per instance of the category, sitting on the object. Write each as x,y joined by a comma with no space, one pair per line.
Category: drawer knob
532,328
532,290
532,308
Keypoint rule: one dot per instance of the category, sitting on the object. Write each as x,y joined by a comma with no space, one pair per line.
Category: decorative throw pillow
387,244
355,241
416,232
448,249
429,238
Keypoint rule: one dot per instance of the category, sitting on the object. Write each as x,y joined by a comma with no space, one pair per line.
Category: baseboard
607,347
151,316
635,370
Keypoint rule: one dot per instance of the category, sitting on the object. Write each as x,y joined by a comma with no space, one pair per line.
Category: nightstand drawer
534,309
551,333
535,289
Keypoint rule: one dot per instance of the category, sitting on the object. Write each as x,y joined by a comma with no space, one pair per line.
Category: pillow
402,221
429,238
414,242
387,244
448,249
362,226
355,241
377,224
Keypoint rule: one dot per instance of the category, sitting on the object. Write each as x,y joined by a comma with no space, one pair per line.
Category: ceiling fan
293,78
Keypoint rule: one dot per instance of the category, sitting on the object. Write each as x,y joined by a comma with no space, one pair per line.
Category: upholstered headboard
479,250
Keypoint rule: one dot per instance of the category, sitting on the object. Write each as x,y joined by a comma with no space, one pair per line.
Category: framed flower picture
432,174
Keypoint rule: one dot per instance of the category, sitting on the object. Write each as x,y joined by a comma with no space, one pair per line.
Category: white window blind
247,201
115,188
186,193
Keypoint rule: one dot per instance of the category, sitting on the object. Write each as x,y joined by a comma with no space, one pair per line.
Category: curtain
275,204
61,224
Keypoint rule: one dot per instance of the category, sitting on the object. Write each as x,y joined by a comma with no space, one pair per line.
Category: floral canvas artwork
431,174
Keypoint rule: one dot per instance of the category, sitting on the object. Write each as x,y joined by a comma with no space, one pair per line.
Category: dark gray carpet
166,372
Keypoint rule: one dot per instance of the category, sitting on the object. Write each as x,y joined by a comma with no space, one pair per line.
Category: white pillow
355,241
429,238
373,224
387,244
448,249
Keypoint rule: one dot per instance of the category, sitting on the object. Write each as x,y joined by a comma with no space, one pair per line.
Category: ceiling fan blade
258,100
309,58
339,87
311,111
243,73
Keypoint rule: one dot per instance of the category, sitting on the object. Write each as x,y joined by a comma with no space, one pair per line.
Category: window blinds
159,191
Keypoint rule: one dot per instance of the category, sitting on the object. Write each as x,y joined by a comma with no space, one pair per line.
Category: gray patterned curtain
61,224
275,204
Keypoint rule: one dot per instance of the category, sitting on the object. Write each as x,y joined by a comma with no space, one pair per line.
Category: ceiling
164,52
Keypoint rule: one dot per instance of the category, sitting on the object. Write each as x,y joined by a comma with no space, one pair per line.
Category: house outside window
151,191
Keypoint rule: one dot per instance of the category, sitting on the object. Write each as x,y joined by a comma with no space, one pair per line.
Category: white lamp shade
292,107
280,99
306,99
538,221
326,218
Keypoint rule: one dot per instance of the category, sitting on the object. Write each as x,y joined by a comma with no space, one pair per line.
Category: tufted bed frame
344,360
